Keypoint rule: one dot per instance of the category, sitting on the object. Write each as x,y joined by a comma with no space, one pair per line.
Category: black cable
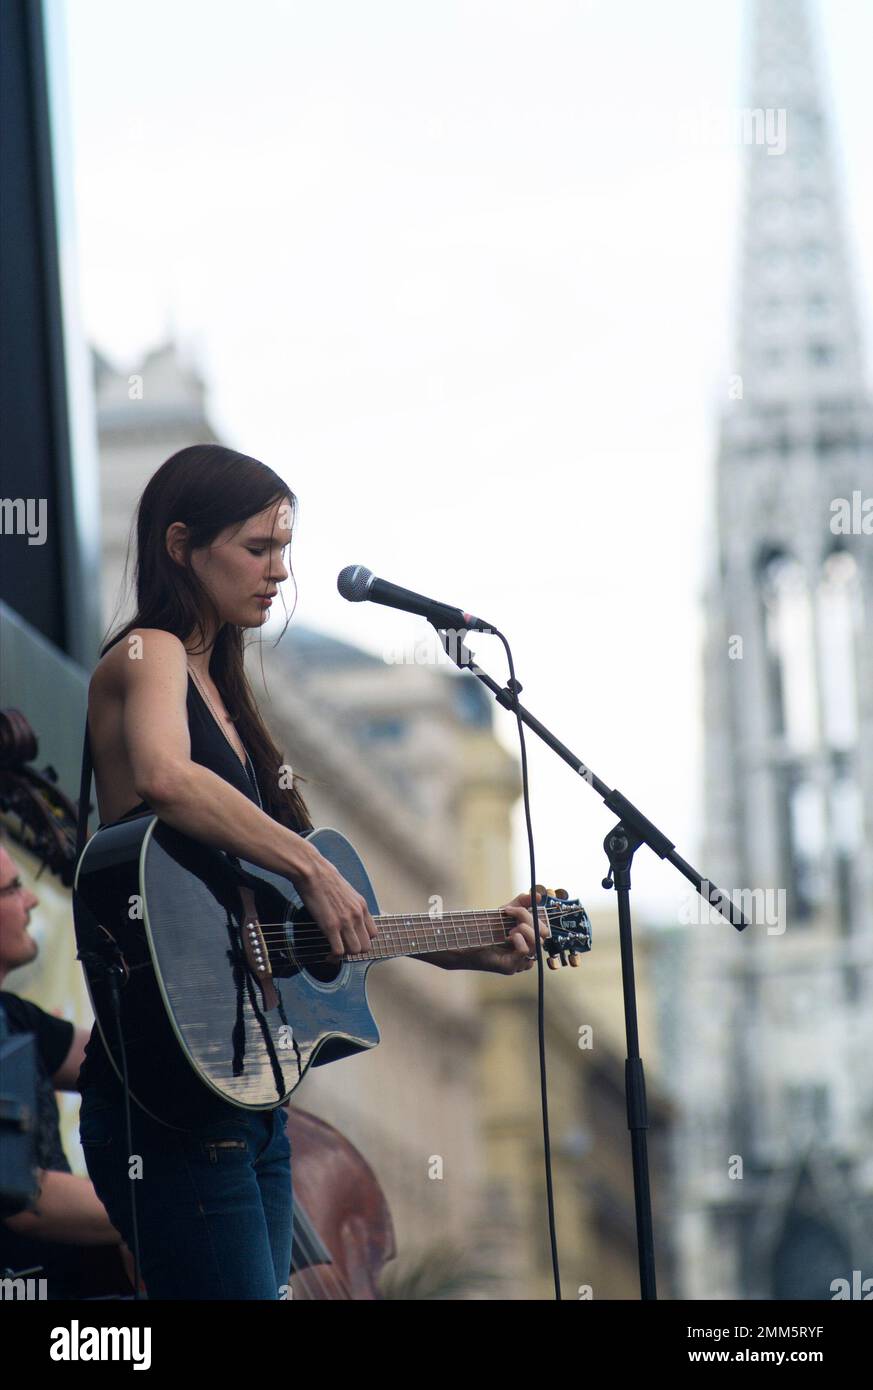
111,962
114,974
514,687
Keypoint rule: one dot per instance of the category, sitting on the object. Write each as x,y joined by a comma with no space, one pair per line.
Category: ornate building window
805,849
789,639
840,623
788,629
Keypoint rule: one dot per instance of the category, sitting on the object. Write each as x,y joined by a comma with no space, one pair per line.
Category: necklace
251,769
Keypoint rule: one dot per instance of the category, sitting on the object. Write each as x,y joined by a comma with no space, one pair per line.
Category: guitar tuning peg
560,893
554,963
574,959
540,889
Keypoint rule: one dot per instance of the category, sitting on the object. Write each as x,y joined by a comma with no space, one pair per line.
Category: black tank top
211,749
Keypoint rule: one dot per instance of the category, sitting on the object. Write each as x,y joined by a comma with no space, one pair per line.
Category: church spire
774,1020
798,334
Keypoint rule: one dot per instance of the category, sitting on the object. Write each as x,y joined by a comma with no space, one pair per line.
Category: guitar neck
419,934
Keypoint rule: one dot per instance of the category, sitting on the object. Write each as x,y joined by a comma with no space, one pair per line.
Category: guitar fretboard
415,934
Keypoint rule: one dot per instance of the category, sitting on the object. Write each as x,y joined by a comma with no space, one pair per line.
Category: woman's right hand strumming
337,908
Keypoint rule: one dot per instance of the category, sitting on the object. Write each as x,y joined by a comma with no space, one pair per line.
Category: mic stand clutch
622,842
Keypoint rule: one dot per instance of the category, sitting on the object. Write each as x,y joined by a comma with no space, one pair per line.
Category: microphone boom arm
641,828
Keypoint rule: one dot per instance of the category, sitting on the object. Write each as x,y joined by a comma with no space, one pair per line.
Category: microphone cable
514,688
356,584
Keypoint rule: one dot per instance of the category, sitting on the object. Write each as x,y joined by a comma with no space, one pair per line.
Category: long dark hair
210,488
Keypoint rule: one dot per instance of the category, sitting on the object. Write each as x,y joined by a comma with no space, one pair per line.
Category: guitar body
203,1019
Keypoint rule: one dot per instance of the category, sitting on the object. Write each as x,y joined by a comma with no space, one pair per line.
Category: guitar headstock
569,925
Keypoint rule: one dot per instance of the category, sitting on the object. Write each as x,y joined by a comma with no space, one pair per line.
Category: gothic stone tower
776,1158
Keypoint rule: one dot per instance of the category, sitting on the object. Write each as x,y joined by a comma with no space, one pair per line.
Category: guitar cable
115,974
106,957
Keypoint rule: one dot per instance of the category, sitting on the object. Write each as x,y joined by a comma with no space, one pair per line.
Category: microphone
356,583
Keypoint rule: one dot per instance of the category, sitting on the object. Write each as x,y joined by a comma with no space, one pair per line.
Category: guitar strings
429,929
308,942
456,922
312,1269
484,931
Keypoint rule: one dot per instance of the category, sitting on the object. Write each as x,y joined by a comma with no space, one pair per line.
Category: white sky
455,272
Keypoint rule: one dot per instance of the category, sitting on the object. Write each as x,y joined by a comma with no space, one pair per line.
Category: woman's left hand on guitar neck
508,957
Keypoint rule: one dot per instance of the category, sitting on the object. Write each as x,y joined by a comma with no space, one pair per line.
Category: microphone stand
621,843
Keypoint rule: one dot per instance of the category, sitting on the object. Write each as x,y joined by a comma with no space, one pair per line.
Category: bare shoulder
142,648
137,714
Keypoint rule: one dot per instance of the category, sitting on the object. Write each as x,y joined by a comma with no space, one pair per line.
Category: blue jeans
214,1204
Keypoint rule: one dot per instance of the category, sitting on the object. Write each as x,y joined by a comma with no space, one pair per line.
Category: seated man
68,1233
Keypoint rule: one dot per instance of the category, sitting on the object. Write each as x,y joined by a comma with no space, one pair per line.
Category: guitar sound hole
310,948
324,972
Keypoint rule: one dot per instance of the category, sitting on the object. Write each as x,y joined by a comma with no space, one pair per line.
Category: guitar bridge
256,951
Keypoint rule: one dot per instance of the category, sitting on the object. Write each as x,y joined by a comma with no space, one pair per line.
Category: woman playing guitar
175,730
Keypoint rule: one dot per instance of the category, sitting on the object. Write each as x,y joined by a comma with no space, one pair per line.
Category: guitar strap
90,943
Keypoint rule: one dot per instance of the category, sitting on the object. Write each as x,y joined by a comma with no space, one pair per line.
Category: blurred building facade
139,427
774,1163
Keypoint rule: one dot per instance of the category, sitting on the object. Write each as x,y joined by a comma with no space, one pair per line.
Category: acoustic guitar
224,979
